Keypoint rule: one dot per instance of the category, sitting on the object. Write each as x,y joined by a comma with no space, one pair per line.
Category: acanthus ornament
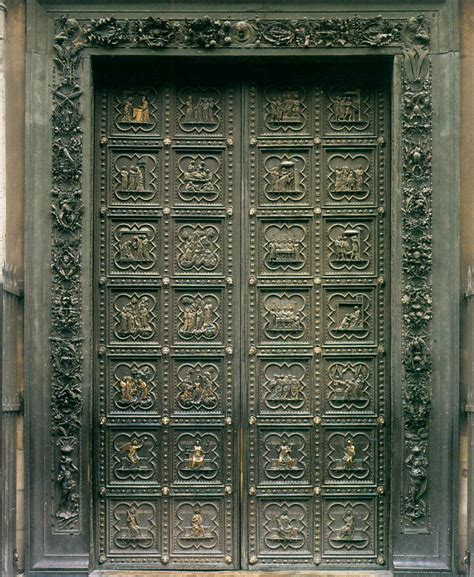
411,38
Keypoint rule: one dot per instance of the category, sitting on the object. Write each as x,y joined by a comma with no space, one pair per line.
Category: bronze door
241,319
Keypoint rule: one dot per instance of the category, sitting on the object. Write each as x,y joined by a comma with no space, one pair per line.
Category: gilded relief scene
285,109
197,386
198,316
285,526
199,177
284,246
284,177
134,316
349,176
199,109
134,525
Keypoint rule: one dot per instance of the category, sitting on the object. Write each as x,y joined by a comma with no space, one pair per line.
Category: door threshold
321,573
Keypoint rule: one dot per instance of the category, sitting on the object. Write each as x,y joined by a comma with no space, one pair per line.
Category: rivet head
252,420
253,211
102,280
102,558
317,420
252,490
228,559
317,140
381,210
228,490
165,280
166,210
102,491
381,421
165,490
317,280
230,142
167,141
252,351
317,210
381,280
101,350
252,281
381,350
165,350
104,140
381,140
317,490
103,210
253,142
165,421
252,560
380,560
317,350
317,560
380,490
229,280
230,212
228,420
229,351
165,559
102,420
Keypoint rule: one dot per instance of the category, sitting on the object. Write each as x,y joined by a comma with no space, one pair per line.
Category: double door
241,371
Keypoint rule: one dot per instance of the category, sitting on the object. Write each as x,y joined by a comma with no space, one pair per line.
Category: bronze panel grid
242,227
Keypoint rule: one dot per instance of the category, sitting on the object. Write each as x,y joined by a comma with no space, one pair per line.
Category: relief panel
350,383
133,316
196,526
133,457
284,110
285,246
198,317
199,177
349,111
135,112
198,386
134,246
350,246
349,455
134,525
284,316
284,456
349,531
199,247
351,177
284,176
350,315
199,111
134,176
134,386
285,528
284,386
198,455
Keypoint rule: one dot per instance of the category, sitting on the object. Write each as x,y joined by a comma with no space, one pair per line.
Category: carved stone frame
58,358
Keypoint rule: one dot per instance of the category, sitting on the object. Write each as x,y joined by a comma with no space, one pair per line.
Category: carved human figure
68,487
284,318
199,249
197,524
351,320
416,463
198,318
196,457
132,523
132,114
285,459
349,454
196,389
347,530
132,179
286,529
131,449
285,178
198,177
285,108
135,317
347,245
201,111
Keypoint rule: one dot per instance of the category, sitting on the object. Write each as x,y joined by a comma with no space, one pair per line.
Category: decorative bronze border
409,36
